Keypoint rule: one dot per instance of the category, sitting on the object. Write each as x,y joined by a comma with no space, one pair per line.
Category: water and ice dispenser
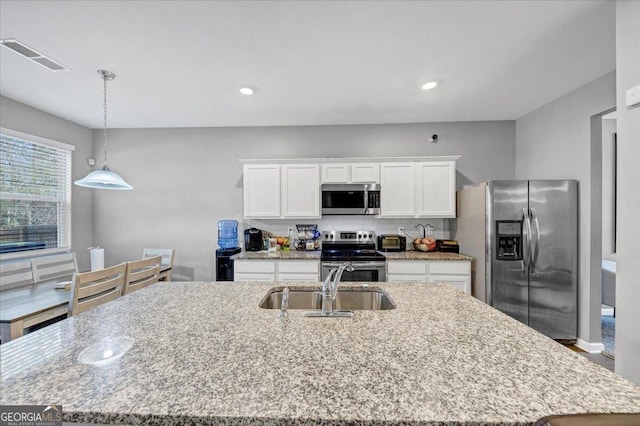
508,239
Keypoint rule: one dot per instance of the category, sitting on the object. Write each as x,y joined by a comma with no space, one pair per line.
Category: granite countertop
278,255
315,255
205,353
429,255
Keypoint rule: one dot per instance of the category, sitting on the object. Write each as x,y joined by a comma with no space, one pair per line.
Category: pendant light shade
104,178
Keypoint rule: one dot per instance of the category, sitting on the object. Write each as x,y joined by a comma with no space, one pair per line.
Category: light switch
633,96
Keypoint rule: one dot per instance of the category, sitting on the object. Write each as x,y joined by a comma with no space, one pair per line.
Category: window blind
35,193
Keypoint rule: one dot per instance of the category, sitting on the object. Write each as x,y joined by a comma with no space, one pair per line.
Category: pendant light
104,178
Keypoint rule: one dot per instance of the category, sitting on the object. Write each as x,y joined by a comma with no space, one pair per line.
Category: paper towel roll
97,258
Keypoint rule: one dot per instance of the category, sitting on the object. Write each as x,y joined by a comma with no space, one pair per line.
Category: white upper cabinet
350,173
335,173
261,190
423,189
409,186
436,189
365,173
300,190
397,190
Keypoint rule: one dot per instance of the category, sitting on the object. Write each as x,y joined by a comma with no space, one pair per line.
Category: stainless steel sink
372,299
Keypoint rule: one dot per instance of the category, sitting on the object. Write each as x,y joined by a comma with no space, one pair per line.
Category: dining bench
28,294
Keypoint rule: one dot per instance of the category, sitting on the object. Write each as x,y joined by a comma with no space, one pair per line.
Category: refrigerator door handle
534,260
526,245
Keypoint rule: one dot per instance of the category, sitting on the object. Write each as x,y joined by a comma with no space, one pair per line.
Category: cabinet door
299,267
456,273
456,267
301,190
406,270
397,190
365,173
436,189
254,270
405,278
462,282
261,191
242,276
335,173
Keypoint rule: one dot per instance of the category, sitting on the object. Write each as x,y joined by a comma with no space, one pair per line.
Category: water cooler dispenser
228,242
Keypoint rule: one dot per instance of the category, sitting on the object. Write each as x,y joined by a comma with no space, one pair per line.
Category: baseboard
592,348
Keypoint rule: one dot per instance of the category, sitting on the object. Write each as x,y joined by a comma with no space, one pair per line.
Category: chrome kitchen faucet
329,291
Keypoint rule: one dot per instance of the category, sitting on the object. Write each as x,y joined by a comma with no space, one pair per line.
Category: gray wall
628,272
185,180
20,117
554,142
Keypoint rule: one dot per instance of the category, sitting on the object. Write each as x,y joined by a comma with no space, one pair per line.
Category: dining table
29,305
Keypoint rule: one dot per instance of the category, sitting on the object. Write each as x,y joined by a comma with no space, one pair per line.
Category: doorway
609,208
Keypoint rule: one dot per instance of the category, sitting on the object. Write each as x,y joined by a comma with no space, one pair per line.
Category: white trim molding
592,348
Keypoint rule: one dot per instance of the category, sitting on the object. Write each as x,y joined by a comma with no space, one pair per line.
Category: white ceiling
181,63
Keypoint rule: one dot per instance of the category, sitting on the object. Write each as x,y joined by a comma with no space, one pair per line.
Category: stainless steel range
356,247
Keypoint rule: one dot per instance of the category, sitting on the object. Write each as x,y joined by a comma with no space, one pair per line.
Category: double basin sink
368,299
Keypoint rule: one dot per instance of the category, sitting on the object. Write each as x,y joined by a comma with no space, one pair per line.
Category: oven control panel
351,236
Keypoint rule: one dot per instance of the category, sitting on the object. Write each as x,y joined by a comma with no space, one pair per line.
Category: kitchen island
206,353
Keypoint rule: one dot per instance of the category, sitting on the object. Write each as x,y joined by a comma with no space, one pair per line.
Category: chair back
15,274
141,273
56,267
90,289
168,255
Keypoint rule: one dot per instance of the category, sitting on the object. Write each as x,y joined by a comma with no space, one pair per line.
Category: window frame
50,143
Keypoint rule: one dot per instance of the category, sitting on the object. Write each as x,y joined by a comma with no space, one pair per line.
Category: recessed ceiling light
246,91
429,85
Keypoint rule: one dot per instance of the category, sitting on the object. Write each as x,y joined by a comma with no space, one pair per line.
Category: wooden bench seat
27,292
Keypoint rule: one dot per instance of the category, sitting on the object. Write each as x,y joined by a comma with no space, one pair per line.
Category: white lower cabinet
276,270
457,273
254,270
407,270
298,270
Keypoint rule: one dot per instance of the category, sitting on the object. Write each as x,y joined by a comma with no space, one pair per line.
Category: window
35,193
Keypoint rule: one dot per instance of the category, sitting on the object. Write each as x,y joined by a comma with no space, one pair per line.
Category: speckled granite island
205,353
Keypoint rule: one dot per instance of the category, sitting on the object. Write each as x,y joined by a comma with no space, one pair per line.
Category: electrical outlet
400,230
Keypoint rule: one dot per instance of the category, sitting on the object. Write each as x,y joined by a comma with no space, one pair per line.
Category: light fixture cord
106,163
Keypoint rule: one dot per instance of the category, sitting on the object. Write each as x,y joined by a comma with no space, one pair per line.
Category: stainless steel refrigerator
523,236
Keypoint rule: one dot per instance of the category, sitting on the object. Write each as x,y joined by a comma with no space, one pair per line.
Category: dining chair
90,289
166,268
141,273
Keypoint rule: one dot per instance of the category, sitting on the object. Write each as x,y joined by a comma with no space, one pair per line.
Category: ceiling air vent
32,55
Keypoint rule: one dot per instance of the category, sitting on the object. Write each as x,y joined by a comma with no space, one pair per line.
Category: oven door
362,271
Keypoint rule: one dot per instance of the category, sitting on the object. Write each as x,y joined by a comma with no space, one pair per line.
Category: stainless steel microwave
351,198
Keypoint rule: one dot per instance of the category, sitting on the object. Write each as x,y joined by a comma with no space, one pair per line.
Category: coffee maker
252,239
